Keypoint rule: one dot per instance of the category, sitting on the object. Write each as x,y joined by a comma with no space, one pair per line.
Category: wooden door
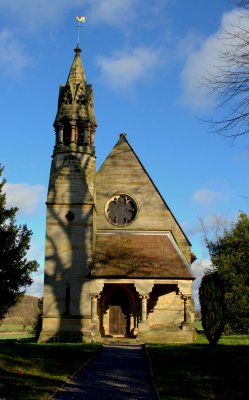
117,321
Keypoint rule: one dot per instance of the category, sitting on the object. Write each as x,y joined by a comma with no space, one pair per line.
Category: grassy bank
34,371
200,371
14,328
15,332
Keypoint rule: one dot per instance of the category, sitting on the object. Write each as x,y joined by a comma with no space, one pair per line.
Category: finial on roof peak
122,136
77,50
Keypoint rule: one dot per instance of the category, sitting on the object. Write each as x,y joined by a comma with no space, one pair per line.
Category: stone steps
123,340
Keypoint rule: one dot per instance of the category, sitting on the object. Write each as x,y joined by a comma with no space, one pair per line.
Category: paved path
117,372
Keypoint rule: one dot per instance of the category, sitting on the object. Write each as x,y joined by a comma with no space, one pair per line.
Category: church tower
70,206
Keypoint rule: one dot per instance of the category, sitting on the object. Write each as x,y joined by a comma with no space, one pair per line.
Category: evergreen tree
211,295
37,325
15,269
230,255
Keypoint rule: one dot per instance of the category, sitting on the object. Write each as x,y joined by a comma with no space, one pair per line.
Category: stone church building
117,261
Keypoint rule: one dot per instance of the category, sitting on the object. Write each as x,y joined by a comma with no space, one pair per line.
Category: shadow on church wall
69,245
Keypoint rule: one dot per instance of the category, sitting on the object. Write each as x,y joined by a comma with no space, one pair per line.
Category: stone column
73,132
86,137
92,137
102,320
187,308
94,305
134,320
144,299
59,135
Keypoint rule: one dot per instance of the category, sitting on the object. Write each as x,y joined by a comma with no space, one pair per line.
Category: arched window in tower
67,134
80,136
86,136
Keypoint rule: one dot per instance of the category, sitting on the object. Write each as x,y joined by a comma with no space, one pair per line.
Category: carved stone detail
144,299
67,95
121,209
91,101
187,308
94,305
80,97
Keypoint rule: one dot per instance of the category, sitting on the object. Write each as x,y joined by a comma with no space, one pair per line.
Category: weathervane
80,20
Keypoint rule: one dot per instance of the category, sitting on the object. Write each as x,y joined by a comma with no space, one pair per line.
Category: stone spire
77,73
75,121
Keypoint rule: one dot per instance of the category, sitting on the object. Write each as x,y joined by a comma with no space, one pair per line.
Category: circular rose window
121,209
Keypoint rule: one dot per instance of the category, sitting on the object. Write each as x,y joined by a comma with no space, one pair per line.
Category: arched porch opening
119,306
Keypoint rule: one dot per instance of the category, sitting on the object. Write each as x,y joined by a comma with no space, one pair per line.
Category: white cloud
113,12
199,268
37,249
205,196
37,252
206,60
12,56
36,289
198,66
125,68
25,197
36,14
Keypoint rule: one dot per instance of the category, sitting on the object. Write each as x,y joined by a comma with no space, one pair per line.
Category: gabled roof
134,255
117,153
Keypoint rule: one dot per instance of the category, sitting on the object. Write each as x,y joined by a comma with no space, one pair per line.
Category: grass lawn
30,371
14,328
15,332
198,325
200,371
16,336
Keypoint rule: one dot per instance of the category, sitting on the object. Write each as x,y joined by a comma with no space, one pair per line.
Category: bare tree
230,81
212,228
242,3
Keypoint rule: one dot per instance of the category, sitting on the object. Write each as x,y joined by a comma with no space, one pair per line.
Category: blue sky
146,61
